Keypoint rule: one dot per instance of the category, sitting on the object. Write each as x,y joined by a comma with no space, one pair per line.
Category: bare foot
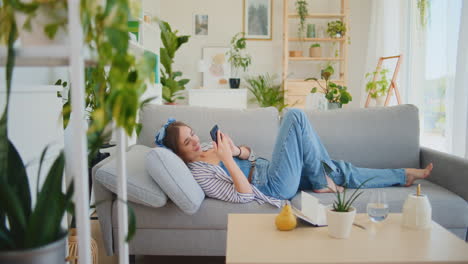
332,185
416,174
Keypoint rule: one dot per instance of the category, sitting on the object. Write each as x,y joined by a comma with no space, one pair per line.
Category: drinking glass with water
377,208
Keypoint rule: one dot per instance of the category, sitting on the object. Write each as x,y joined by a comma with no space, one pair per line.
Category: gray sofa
376,138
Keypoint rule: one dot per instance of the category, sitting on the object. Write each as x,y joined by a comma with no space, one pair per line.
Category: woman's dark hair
172,136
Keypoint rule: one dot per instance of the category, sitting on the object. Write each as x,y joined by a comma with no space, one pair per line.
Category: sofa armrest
103,200
450,171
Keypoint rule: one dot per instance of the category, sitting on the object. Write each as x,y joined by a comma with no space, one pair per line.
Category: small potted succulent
377,88
336,29
340,215
315,50
336,95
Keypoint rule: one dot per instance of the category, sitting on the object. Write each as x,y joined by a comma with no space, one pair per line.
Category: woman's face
189,144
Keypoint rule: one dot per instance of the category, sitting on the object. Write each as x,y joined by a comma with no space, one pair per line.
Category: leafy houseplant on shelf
266,92
336,95
172,87
377,88
302,12
340,215
238,58
336,29
315,50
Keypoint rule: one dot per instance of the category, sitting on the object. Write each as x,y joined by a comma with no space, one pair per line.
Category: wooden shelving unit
296,90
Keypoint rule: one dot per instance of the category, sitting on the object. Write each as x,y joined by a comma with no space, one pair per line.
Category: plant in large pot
377,85
170,79
340,215
302,12
335,94
238,58
266,91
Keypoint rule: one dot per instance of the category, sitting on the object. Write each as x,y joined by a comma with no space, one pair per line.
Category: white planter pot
339,223
36,36
380,101
51,253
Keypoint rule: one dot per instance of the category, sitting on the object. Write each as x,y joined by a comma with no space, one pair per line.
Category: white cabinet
219,98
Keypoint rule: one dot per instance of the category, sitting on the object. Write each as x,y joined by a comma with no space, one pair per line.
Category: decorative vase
73,248
417,212
315,52
340,223
311,33
295,53
51,253
36,36
332,106
234,83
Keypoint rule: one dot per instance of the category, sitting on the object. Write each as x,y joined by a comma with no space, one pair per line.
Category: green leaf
50,30
314,90
50,208
131,224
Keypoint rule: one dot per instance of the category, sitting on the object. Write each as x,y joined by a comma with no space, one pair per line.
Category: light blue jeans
300,162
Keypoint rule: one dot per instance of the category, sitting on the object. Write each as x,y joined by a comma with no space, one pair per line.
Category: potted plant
340,215
170,79
302,12
336,29
266,92
315,50
377,88
238,58
336,95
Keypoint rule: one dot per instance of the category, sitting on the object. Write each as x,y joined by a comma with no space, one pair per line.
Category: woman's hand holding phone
222,147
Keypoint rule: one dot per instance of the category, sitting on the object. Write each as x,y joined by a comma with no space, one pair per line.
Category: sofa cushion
448,209
141,188
256,128
174,177
211,215
379,137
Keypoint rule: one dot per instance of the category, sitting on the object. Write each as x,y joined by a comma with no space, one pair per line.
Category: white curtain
434,73
386,38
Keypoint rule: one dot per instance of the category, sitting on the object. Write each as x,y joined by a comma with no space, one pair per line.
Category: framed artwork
257,19
200,25
217,70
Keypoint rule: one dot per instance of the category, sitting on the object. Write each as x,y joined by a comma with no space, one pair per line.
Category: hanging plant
301,8
423,7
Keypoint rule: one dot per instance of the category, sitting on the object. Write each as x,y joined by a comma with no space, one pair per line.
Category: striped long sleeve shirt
216,183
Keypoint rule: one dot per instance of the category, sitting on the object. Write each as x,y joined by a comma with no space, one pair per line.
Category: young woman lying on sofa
300,161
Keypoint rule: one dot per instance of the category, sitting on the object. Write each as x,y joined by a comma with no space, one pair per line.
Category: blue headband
162,133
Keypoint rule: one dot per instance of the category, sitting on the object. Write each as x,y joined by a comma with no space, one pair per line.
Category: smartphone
214,133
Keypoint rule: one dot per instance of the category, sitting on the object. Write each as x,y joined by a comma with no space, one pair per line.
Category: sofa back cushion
383,137
256,128
141,188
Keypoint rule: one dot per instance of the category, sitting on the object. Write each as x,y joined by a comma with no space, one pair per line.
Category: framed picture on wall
200,25
257,19
216,69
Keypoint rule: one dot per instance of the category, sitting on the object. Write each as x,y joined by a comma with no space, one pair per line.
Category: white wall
225,20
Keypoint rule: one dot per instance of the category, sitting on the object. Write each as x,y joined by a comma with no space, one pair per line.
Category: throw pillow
174,177
141,188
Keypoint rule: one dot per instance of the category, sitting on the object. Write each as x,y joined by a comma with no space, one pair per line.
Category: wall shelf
296,90
314,59
318,15
44,56
318,39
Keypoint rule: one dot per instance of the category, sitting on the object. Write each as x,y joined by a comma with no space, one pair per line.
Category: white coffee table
253,238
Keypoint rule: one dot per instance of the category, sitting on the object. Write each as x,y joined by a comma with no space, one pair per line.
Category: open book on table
312,212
